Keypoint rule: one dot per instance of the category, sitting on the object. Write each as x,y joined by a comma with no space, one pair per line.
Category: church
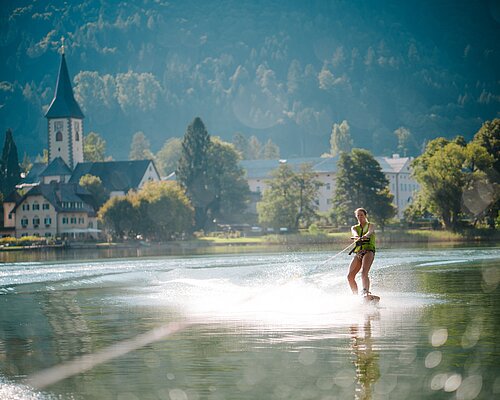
50,202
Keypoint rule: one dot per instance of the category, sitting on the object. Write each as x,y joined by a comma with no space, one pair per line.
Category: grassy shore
384,238
387,238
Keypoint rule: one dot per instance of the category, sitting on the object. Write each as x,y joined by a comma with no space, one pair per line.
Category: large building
396,169
53,204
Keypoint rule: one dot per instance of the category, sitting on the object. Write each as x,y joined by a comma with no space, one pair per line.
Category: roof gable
56,168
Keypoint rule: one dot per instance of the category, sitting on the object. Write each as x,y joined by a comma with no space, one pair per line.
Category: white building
396,169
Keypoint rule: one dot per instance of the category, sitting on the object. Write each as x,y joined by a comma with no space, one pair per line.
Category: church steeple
64,104
65,120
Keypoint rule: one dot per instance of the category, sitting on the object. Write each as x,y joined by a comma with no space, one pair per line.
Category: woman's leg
351,276
366,265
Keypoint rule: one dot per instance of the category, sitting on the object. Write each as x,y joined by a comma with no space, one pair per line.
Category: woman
364,235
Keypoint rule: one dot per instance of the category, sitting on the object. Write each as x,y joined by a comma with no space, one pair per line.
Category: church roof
34,173
56,168
119,176
64,104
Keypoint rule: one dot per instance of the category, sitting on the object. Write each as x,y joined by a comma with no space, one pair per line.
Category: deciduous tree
340,138
140,149
94,147
168,156
289,201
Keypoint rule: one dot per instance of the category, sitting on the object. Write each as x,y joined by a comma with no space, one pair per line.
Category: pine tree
192,170
11,171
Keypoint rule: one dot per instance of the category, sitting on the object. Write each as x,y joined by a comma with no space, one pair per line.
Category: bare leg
366,265
351,276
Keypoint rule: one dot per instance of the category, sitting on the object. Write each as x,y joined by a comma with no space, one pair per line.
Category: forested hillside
277,69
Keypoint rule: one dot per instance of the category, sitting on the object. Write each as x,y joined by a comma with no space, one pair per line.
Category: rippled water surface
252,326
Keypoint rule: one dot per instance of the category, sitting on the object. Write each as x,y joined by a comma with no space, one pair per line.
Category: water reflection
366,359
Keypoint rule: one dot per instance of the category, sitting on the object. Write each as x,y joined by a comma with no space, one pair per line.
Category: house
54,210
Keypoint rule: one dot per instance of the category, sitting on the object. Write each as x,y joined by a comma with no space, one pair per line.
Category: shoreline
383,238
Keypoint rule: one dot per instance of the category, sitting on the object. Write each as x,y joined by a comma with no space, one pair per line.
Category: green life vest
365,246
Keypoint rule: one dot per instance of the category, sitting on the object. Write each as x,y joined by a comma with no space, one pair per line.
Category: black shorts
360,254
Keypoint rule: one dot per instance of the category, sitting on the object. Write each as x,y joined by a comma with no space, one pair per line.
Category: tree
159,211
192,170
406,142
42,158
10,169
94,147
361,183
289,201
94,185
443,184
340,139
488,137
241,144
254,148
227,181
168,156
140,147
120,216
165,211
271,151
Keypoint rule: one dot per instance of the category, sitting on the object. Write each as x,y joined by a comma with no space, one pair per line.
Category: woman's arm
371,231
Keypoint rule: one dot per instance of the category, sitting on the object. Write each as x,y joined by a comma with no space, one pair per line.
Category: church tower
65,120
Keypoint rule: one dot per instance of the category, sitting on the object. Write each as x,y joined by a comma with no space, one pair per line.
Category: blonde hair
362,210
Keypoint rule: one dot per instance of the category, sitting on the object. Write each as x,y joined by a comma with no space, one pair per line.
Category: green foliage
407,145
164,211
10,171
450,173
119,216
361,183
227,182
252,149
94,147
289,201
159,211
94,185
42,158
167,158
140,147
192,170
340,138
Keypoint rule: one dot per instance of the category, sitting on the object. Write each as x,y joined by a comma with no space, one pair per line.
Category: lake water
252,326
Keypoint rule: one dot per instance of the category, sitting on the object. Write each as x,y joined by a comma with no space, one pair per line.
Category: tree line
458,181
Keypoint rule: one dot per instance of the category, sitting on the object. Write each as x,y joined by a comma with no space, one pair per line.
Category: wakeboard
371,299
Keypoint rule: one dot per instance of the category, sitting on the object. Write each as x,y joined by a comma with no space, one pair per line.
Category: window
257,189
36,222
59,137
45,206
73,220
24,222
36,206
81,220
328,187
10,215
58,125
48,234
64,220
47,221
91,224
26,207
